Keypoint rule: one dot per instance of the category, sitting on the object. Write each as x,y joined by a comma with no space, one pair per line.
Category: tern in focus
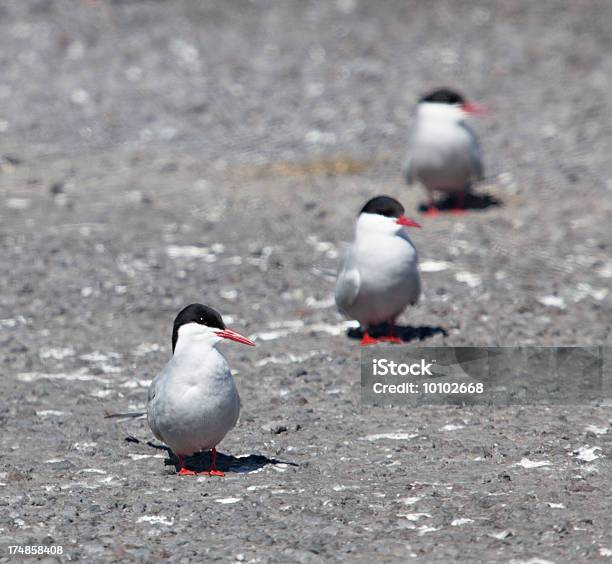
444,154
193,402
379,276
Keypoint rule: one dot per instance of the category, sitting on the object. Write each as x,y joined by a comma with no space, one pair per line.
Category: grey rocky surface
155,153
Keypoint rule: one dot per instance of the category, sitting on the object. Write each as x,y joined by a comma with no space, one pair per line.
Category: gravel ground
159,153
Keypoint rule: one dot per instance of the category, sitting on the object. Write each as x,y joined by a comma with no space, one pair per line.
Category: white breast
388,275
443,153
193,402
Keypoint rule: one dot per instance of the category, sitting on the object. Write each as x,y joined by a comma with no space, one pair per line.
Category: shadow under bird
443,153
193,402
379,276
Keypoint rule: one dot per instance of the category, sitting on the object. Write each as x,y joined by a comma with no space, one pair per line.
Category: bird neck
371,225
199,363
440,113
191,349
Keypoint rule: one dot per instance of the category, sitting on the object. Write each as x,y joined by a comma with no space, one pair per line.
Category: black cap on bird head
388,207
443,96
383,205
196,313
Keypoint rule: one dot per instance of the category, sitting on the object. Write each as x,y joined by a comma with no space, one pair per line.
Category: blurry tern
444,154
379,276
193,402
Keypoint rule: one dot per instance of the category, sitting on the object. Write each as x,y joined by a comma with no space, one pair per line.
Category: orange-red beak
403,220
474,109
232,335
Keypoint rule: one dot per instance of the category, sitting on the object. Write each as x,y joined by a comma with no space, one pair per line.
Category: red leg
367,340
213,467
459,208
432,209
182,470
392,336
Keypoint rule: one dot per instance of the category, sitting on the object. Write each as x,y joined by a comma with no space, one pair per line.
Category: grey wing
348,283
153,388
151,400
476,164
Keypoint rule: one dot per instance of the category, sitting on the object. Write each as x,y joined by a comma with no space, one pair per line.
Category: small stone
275,427
57,188
15,161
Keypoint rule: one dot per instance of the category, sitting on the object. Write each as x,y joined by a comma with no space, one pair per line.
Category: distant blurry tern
444,154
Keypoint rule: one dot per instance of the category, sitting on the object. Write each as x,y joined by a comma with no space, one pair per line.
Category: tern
379,276
444,154
193,402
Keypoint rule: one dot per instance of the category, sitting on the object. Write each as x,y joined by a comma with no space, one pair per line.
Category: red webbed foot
368,340
182,470
391,339
213,466
391,336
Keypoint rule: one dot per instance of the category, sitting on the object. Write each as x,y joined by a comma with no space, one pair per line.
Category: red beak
474,109
229,334
403,220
